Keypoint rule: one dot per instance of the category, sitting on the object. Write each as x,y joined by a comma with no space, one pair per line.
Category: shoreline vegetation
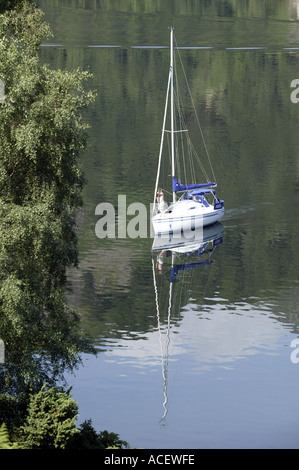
42,136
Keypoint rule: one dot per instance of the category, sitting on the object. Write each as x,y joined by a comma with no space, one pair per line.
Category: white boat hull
184,216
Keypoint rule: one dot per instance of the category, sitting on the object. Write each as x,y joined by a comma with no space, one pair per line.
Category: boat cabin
201,196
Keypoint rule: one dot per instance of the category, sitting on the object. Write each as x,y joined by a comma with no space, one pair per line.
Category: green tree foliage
42,134
51,419
111,440
47,420
12,411
8,5
88,438
40,121
5,440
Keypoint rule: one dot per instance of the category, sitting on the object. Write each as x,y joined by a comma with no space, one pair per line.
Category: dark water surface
217,370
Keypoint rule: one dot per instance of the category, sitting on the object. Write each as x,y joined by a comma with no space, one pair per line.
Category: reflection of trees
229,8
250,125
41,352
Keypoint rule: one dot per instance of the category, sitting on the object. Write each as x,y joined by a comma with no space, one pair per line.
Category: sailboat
198,205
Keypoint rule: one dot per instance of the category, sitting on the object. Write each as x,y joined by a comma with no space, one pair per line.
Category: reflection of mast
164,358
187,250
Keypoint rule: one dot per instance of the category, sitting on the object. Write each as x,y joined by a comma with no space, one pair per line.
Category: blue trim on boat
192,217
218,205
176,186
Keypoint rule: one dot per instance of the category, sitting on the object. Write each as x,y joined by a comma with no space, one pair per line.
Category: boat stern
219,205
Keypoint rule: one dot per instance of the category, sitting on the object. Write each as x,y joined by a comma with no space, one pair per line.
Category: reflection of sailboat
193,209
189,241
191,251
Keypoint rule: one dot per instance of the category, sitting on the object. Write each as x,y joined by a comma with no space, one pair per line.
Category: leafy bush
49,423
51,420
4,438
88,438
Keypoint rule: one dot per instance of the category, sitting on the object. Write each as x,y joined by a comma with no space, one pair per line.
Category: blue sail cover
176,186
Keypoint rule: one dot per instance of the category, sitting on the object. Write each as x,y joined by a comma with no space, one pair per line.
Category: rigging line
180,126
191,160
191,150
197,119
182,121
179,138
184,157
199,162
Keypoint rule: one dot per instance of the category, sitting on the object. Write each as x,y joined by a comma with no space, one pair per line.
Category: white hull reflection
189,241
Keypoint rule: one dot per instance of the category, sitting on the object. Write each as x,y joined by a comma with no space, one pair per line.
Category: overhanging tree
42,134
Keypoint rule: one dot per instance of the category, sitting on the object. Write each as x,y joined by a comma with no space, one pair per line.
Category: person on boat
159,264
160,200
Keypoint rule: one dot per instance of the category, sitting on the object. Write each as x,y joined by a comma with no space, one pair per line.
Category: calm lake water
217,371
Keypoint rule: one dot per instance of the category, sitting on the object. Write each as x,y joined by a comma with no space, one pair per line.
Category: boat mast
172,109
